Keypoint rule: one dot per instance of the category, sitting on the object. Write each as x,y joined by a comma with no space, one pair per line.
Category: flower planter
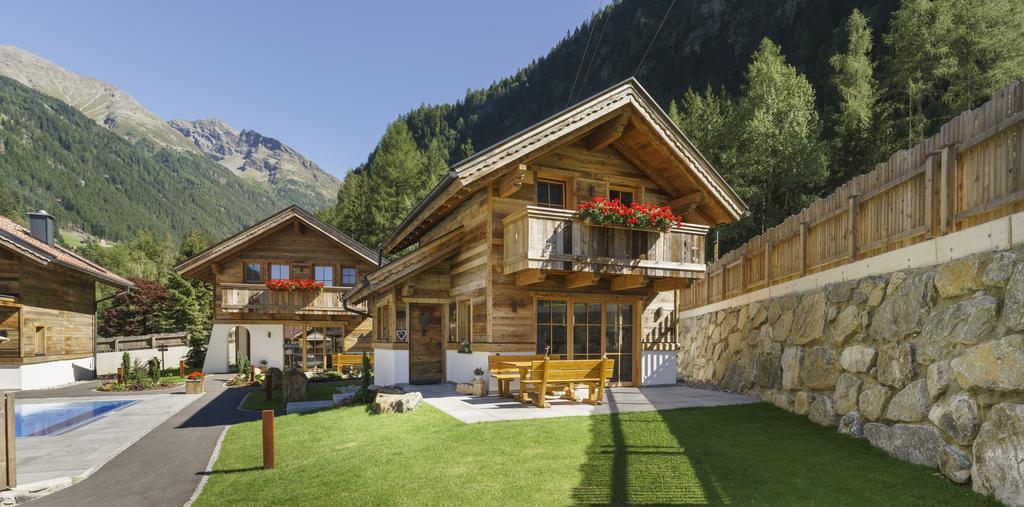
591,223
194,386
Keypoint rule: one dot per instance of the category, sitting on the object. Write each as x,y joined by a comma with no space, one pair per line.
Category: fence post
268,439
767,262
120,375
853,213
181,367
803,248
947,185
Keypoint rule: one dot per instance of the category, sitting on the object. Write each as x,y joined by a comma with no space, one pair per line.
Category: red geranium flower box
601,211
294,285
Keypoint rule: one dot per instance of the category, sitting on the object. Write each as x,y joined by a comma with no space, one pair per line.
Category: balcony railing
256,298
555,240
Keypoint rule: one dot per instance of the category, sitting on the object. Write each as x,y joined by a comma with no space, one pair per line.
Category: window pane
559,340
252,272
594,341
612,337
558,309
542,192
579,313
579,341
348,277
594,312
557,199
543,312
324,274
543,338
279,272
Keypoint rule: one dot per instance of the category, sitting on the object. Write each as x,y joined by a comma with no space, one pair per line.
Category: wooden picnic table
524,370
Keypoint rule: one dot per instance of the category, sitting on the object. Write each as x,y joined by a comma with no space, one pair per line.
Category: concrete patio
470,409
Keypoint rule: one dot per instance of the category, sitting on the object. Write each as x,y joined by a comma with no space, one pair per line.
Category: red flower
294,285
196,375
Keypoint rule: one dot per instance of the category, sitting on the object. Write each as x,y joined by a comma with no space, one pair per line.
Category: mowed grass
748,454
257,400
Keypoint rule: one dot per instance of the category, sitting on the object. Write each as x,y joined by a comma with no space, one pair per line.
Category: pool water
43,419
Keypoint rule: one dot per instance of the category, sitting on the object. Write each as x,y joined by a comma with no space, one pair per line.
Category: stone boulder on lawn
395,403
295,386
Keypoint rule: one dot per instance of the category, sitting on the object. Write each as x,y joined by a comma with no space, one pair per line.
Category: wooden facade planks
968,173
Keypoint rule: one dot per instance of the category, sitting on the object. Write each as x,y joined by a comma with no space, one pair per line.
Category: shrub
126,365
154,369
479,372
365,394
243,364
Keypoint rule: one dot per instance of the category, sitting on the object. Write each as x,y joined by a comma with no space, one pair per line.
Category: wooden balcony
256,298
542,240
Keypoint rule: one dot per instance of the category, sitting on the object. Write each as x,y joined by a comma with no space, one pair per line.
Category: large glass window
348,277
279,272
551,194
324,275
552,335
293,338
253,272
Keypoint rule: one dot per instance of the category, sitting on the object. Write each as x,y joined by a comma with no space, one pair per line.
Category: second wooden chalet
262,310
504,263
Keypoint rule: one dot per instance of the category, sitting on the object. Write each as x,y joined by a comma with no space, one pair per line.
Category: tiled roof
18,239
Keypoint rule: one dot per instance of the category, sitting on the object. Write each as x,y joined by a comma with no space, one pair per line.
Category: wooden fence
969,173
149,341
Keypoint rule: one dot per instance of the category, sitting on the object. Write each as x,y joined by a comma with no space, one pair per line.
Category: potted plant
194,383
479,384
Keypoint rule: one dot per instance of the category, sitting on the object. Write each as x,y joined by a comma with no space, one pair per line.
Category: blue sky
323,77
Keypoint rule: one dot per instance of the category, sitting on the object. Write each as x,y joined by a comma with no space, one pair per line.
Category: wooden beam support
626,282
608,133
529,277
581,279
688,202
297,225
511,182
216,268
669,284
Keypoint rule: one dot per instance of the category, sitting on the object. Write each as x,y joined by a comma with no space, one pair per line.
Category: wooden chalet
47,307
297,328
504,265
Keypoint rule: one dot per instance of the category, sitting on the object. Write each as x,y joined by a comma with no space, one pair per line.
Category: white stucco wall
48,374
267,344
657,367
390,367
107,363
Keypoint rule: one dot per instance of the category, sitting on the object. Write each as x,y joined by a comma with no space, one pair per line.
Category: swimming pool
44,419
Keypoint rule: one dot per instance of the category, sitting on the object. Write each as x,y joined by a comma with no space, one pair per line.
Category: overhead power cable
636,73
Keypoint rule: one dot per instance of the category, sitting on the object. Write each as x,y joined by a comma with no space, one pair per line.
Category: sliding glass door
588,330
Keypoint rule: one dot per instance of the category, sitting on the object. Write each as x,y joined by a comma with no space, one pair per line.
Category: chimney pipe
41,226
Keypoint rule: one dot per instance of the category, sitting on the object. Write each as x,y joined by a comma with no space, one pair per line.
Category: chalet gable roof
624,116
196,266
19,240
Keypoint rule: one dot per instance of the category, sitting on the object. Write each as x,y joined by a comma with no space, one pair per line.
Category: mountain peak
255,156
104,103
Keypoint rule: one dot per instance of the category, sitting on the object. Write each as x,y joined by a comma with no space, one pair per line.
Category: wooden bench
547,375
350,360
506,374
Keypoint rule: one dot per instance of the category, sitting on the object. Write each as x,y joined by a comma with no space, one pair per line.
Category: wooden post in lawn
181,368
268,384
9,476
120,375
268,439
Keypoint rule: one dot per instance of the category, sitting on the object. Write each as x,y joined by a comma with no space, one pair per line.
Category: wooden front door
426,344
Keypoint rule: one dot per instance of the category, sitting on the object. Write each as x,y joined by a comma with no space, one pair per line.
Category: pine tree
781,161
10,205
859,123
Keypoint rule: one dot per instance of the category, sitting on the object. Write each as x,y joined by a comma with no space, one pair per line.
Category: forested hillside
837,91
55,158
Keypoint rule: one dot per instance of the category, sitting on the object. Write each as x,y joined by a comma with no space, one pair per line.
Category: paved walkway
470,409
166,465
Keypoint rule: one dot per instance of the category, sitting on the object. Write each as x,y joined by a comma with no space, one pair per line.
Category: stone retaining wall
925,364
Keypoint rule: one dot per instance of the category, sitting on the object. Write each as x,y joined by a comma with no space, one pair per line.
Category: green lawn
257,400
750,454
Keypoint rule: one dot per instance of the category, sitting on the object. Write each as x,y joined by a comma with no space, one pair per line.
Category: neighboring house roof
201,261
19,240
624,116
